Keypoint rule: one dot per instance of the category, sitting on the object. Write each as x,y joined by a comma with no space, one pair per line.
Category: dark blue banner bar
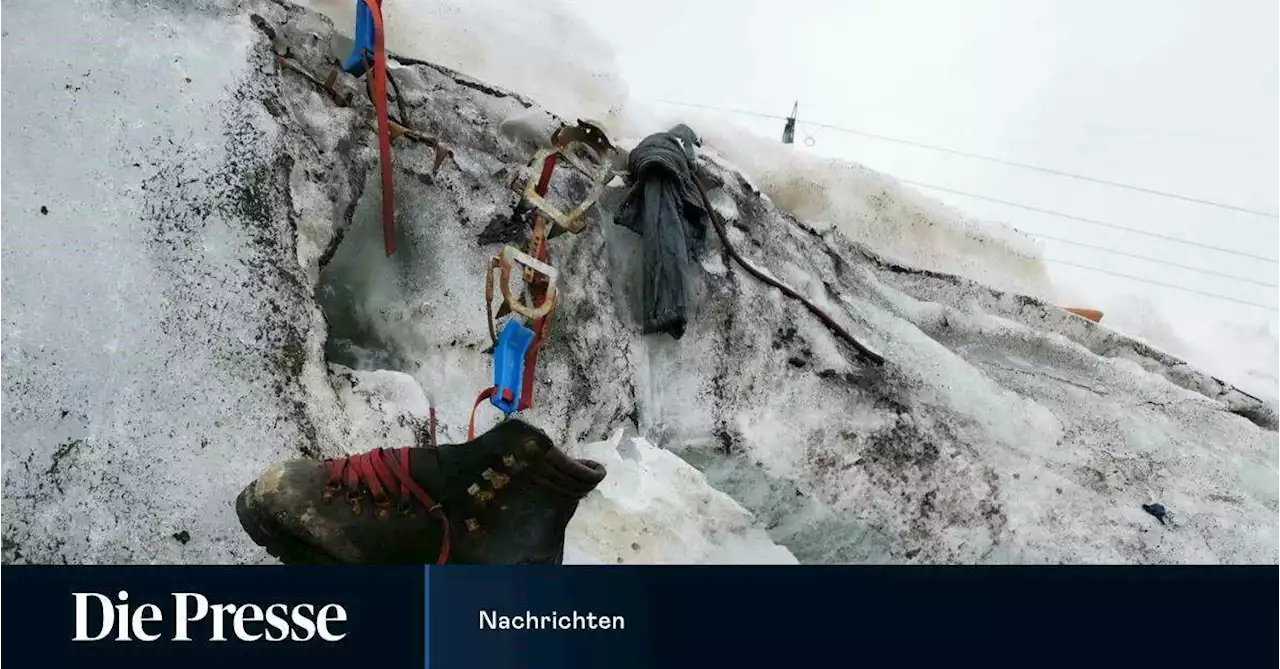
850,616
471,617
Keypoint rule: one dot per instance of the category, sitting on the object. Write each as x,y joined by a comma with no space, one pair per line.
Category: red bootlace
385,481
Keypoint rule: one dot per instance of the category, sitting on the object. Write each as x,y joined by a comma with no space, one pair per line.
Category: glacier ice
207,295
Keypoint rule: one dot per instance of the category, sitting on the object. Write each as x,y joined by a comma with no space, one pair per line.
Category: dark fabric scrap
664,207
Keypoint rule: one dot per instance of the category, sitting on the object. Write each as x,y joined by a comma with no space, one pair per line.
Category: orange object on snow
1091,314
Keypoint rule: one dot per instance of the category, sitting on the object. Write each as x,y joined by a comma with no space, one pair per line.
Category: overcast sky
1174,95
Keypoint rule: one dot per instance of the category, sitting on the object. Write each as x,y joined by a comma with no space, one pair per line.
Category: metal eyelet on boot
495,479
382,509
354,500
326,495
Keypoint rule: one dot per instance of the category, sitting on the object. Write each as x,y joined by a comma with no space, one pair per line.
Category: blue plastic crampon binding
363,41
508,365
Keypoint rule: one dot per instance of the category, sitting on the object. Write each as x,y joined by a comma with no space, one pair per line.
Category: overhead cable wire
1166,285
992,159
1150,259
1092,221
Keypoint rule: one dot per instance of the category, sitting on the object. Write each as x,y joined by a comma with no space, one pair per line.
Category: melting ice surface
1001,421
161,348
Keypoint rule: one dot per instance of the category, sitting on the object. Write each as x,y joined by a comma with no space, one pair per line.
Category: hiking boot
503,498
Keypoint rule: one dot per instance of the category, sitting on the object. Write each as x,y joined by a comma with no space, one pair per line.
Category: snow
1236,349
1243,353
544,52
654,508
152,350
208,330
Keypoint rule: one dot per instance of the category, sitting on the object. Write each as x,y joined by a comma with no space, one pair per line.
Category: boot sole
287,549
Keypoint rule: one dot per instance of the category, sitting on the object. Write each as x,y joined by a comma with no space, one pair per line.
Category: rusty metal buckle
587,149
509,256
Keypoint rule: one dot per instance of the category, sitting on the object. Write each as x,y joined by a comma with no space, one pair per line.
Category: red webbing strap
384,127
539,291
544,179
471,424
403,473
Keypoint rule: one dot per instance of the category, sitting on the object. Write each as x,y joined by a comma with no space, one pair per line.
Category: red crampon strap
531,359
544,179
384,127
471,424
538,326
370,470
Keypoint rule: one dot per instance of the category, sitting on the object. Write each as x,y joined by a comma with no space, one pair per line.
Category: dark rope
399,98
404,112
786,290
